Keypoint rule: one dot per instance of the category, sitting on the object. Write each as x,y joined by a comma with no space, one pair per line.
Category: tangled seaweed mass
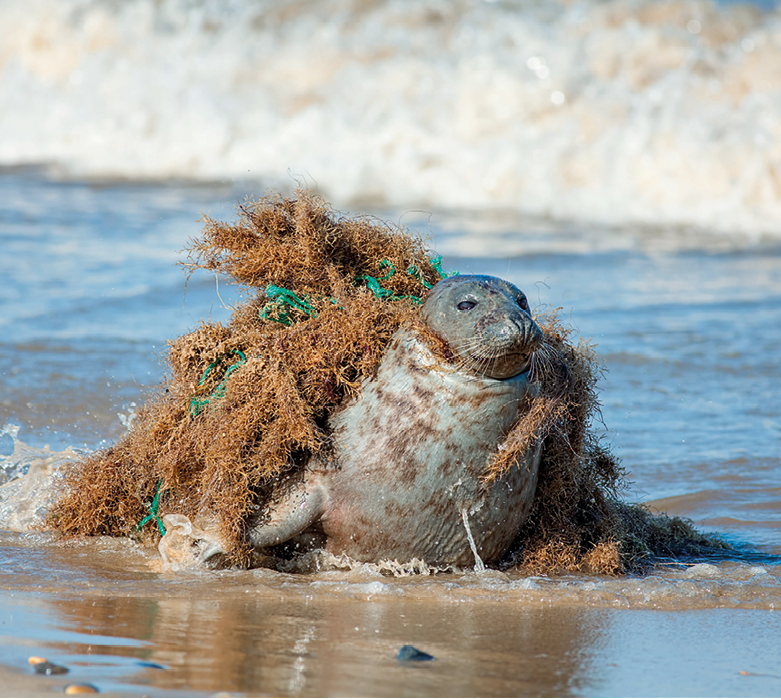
245,404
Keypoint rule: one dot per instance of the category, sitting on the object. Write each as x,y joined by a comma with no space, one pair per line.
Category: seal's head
486,322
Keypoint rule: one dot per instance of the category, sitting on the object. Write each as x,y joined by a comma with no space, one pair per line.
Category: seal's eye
466,306
523,303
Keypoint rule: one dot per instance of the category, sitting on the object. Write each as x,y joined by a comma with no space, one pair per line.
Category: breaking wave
615,111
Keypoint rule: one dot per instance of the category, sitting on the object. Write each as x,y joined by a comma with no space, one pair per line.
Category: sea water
689,339
644,205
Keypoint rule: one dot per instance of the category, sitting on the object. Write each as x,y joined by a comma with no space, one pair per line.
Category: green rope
414,272
282,301
197,404
381,293
153,514
387,264
436,263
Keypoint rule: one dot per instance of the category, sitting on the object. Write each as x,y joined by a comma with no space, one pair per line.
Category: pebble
47,668
410,653
80,689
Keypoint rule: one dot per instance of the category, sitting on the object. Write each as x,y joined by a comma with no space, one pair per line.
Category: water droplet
535,63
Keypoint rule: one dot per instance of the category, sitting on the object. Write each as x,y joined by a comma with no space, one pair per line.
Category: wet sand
16,683
103,609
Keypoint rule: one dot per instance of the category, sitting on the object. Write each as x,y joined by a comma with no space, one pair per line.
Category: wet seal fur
403,480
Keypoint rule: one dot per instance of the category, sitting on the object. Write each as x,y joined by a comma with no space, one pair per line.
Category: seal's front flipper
295,508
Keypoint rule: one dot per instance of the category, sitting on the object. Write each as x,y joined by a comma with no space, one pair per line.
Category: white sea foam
619,111
30,480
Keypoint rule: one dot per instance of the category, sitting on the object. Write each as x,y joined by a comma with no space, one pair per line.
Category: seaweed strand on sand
245,404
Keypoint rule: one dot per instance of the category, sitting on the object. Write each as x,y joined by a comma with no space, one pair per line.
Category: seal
403,477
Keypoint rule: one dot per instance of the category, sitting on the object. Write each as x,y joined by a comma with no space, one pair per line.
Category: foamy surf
626,111
30,481
740,581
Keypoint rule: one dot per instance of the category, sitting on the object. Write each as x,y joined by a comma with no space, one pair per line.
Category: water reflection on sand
101,609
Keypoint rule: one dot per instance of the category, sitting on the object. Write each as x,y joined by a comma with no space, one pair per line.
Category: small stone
80,689
410,653
47,668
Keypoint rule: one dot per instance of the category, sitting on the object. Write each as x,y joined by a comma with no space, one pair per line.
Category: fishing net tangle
246,403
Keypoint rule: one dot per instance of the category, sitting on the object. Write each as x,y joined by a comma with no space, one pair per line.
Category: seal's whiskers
542,361
480,352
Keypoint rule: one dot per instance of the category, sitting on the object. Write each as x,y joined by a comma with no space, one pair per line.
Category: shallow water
688,327
98,609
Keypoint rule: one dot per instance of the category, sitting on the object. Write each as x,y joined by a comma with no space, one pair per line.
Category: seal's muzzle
486,322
